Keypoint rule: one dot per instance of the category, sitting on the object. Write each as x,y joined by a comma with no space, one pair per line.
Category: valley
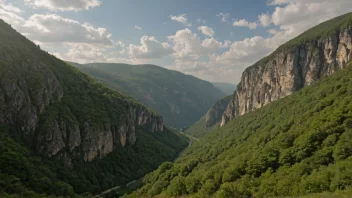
86,113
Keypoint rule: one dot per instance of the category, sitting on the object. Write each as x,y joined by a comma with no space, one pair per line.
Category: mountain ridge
181,99
63,133
317,52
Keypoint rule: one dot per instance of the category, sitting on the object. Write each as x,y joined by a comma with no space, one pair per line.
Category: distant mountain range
181,99
227,88
286,131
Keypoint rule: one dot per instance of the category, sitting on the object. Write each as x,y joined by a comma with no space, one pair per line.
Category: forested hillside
62,133
181,99
298,145
317,52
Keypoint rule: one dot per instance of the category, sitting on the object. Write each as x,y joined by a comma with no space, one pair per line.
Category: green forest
25,170
298,145
25,173
181,99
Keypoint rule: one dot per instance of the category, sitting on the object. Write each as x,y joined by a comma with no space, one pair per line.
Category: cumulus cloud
9,8
224,16
63,5
264,20
137,27
11,14
245,23
290,18
150,48
181,19
53,28
206,30
207,58
280,2
188,46
243,52
211,44
87,53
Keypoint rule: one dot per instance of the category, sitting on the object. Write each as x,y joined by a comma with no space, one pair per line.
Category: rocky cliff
58,110
181,99
293,66
210,120
215,113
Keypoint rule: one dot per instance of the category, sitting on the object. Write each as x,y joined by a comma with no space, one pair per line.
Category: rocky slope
320,51
210,120
60,111
181,99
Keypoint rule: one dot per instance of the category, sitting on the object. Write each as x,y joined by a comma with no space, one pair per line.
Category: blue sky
212,39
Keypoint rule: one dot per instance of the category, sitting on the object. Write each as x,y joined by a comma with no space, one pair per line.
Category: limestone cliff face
40,97
289,70
215,113
22,104
68,139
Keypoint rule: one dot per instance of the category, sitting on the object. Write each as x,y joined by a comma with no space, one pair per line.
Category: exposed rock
289,70
215,113
36,99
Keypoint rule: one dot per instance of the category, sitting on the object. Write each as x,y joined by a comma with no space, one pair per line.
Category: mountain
297,145
181,99
298,142
210,120
317,52
227,88
63,133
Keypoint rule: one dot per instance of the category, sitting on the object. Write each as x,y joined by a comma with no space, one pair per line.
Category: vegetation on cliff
181,99
52,116
298,145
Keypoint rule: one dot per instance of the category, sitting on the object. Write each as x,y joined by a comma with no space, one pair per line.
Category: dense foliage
181,99
24,169
24,172
298,145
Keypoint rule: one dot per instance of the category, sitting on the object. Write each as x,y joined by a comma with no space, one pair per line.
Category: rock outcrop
215,113
41,97
289,69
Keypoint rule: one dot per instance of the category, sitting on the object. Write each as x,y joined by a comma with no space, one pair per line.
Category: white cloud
150,48
186,44
201,21
9,8
209,59
245,23
56,29
137,27
206,30
211,44
11,14
264,20
224,16
296,16
87,53
280,2
244,52
120,43
181,19
63,5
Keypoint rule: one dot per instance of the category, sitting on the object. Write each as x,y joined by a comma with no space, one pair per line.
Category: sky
214,40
